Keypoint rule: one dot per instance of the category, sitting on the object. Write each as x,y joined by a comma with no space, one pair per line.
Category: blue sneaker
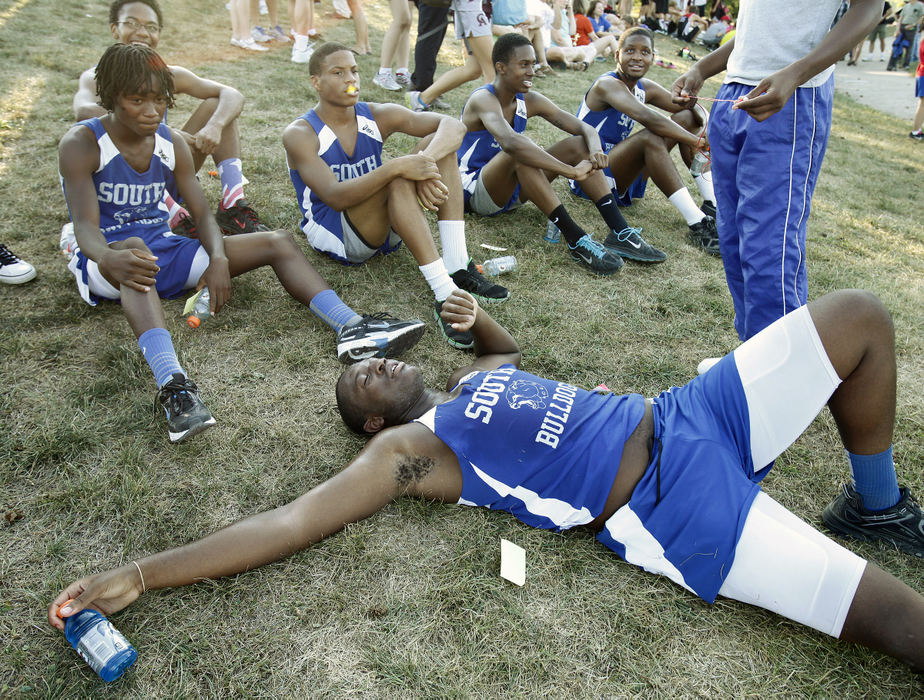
629,243
593,256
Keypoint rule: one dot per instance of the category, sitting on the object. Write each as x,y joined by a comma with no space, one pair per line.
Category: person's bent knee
865,306
135,243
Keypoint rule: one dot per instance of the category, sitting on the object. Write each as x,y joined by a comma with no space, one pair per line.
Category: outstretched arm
230,104
494,346
370,482
541,106
686,87
85,104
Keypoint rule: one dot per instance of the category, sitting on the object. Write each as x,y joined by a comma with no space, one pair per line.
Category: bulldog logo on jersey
523,392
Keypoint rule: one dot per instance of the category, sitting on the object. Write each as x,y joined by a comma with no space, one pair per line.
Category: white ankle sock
684,203
438,279
452,241
301,42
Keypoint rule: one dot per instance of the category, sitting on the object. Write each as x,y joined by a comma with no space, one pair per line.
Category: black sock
609,210
569,229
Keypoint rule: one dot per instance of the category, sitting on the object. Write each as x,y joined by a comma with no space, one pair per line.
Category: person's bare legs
857,334
143,310
399,27
477,63
362,46
918,116
240,19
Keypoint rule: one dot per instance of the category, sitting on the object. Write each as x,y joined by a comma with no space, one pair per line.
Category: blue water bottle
100,644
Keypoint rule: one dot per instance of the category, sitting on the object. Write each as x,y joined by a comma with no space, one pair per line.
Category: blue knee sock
874,479
157,348
328,307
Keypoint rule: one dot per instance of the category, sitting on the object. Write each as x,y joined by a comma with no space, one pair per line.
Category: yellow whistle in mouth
352,90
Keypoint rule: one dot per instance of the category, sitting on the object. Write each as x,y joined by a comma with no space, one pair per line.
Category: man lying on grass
660,481
115,170
502,167
355,207
614,103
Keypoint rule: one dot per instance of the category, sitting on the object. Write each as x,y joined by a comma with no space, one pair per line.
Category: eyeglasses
135,25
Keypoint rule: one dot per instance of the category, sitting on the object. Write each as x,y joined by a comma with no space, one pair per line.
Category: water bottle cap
63,605
193,321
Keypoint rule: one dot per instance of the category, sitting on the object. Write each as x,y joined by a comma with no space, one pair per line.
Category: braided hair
131,69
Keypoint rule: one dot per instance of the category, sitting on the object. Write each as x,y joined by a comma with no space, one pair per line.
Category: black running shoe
592,255
186,414
186,227
473,282
708,208
704,235
239,218
458,339
377,335
901,526
628,243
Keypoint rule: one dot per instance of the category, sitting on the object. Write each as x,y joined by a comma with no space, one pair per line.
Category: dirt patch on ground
871,84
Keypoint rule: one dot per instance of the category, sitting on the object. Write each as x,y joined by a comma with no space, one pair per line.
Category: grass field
408,603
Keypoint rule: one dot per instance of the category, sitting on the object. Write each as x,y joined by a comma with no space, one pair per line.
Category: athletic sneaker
186,227
440,103
239,218
917,135
279,35
386,81
248,44
592,255
708,208
628,243
403,78
186,414
12,269
473,282
703,235
67,241
377,335
261,35
302,55
458,339
901,526
415,103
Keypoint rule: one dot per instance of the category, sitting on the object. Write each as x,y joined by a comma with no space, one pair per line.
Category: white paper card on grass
513,563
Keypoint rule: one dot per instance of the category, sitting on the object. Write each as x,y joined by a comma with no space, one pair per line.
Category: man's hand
599,160
432,194
107,592
582,170
769,96
217,278
686,88
130,267
418,166
460,310
207,139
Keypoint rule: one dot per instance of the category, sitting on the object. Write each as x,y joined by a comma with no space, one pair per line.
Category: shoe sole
195,430
842,528
700,246
489,300
362,349
19,279
637,258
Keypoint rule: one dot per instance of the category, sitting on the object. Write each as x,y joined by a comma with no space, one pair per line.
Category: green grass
408,603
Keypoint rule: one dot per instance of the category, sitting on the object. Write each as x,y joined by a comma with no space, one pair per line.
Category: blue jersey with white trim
478,147
130,202
543,450
613,127
321,224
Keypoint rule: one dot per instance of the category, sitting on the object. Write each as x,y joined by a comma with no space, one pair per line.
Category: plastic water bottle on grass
699,163
200,310
552,233
99,643
497,266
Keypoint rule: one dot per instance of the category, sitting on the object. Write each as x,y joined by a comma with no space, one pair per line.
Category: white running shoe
279,35
386,81
67,242
247,44
415,103
403,78
12,269
302,55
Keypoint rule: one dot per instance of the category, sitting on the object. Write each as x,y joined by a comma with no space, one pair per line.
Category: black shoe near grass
186,414
186,227
629,243
593,256
901,526
458,339
377,335
708,208
473,282
238,218
703,235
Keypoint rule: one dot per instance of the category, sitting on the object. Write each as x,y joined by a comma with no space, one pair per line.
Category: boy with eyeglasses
210,130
